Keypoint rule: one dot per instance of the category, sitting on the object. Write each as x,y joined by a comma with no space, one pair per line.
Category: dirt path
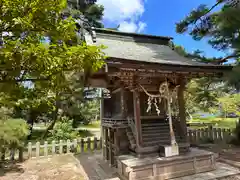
86,166
63,167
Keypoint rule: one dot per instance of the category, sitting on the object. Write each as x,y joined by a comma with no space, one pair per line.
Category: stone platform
162,168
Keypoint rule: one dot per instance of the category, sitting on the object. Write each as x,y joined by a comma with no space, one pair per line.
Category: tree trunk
31,119
55,117
50,127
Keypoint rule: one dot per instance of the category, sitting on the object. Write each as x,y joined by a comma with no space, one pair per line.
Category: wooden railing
36,150
114,122
132,126
197,136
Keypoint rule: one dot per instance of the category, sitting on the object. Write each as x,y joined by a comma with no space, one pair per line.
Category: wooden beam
192,73
125,63
116,90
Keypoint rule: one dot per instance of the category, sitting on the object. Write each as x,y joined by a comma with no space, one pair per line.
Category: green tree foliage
196,55
13,132
92,11
24,56
63,130
220,24
75,106
230,104
204,94
39,48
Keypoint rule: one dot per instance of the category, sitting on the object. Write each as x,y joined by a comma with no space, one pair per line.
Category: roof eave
207,67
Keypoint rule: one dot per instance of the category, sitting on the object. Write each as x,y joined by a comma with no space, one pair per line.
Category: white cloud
128,26
132,26
141,26
124,12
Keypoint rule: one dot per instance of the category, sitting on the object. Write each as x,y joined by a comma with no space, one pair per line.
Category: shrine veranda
144,122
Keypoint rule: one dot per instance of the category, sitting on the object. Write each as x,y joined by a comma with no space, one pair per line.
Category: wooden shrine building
144,122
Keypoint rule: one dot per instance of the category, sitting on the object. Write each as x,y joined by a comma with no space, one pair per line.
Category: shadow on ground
10,167
94,168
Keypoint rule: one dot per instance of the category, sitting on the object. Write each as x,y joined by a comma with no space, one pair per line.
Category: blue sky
157,17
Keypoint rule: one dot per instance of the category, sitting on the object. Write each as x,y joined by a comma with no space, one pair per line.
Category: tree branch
225,59
24,80
215,5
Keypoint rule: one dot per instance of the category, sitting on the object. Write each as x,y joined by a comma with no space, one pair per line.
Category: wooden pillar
138,126
111,149
116,145
182,109
101,119
123,103
116,141
106,143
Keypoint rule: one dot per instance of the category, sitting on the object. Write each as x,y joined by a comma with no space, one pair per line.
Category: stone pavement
223,171
94,168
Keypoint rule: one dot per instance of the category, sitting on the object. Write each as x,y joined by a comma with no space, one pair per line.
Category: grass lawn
215,122
94,124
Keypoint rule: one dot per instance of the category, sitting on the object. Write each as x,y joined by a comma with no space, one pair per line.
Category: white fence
45,149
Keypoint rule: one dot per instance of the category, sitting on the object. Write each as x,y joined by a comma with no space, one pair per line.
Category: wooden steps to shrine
154,134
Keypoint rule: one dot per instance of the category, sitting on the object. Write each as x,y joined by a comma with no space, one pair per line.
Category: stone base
143,152
196,161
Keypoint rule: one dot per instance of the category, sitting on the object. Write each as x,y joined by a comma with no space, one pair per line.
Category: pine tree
221,28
